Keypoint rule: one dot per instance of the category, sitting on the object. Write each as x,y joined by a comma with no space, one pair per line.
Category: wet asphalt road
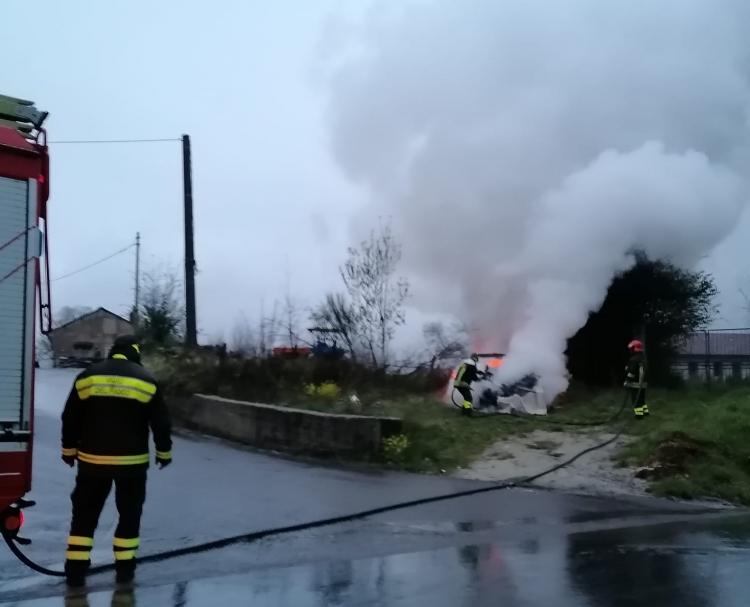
515,547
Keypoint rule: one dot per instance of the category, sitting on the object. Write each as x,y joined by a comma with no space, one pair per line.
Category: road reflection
650,566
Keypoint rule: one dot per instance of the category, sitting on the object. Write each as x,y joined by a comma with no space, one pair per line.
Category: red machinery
24,190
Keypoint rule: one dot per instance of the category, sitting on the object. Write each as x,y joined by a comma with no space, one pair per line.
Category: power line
96,263
89,141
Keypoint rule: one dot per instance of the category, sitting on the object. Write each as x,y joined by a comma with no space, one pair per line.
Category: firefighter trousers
638,398
88,497
468,402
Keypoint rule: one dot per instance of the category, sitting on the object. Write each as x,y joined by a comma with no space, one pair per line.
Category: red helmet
635,345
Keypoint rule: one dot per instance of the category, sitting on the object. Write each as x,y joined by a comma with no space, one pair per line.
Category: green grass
715,424
719,422
440,438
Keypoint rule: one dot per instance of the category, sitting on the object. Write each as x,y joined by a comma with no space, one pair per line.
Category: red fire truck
24,190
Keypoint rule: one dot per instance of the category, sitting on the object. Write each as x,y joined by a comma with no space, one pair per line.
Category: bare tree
44,347
162,313
68,314
244,340
268,328
290,322
445,344
376,295
745,292
256,339
336,315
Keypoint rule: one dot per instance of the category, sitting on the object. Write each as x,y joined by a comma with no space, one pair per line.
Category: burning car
523,396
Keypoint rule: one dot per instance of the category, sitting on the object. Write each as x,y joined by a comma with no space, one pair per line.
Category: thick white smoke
525,148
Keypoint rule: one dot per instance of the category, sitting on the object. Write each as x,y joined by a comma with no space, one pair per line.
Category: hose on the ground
346,518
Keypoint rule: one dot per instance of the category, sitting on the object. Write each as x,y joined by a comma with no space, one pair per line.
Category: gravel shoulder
593,474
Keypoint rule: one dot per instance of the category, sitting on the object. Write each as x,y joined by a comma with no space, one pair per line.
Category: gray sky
236,76
239,77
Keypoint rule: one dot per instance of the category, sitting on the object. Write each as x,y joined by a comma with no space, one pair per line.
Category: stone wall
283,428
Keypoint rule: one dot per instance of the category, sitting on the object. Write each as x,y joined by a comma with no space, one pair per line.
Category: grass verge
440,438
696,443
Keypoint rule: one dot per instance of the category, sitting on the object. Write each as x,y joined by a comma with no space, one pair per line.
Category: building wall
720,368
99,328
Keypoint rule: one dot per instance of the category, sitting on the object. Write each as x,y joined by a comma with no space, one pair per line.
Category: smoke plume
525,149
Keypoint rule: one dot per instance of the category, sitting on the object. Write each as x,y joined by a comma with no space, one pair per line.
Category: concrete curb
285,429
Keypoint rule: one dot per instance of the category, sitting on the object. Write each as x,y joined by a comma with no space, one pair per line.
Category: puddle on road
686,565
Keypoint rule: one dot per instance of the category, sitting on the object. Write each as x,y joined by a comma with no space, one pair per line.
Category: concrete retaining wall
283,428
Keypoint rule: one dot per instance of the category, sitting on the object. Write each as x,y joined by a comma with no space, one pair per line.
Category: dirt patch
672,456
594,474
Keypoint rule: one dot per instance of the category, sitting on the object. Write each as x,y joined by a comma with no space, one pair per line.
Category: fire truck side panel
19,241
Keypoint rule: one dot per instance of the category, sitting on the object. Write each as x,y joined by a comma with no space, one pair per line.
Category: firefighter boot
125,576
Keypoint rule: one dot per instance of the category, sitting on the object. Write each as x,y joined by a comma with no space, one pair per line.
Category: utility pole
136,306
191,332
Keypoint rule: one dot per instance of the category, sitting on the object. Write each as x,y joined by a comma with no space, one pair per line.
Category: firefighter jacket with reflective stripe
466,374
107,418
636,371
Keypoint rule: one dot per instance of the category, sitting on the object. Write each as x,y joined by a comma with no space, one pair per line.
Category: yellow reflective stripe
125,555
137,348
115,385
69,452
77,540
460,373
77,555
116,392
120,543
120,356
116,380
164,454
113,460
84,383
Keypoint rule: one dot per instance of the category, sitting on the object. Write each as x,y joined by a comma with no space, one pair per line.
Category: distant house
714,355
92,334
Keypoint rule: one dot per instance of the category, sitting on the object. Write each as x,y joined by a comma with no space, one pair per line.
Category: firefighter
635,382
466,374
105,427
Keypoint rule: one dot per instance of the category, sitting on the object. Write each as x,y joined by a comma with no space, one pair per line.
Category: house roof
719,343
80,318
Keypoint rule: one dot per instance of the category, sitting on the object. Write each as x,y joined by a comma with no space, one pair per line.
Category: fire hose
254,536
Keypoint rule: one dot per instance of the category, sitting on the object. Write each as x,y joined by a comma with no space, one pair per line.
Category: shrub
326,390
394,448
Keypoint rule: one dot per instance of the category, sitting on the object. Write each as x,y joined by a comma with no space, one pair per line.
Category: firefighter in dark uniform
466,374
635,383
105,427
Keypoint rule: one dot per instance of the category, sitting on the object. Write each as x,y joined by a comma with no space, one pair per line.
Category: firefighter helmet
636,346
474,357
